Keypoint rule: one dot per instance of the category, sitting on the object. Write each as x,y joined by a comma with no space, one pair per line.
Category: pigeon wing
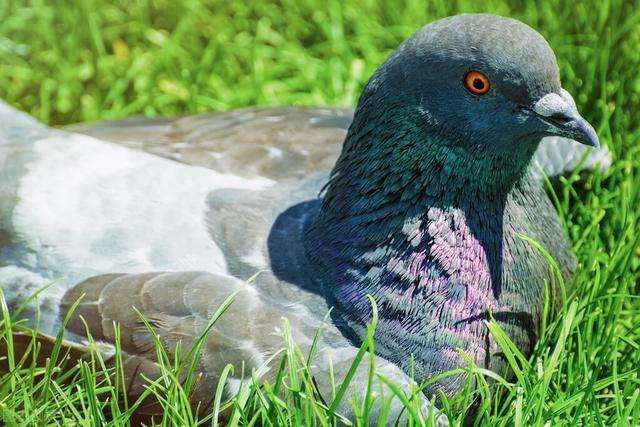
275,143
559,156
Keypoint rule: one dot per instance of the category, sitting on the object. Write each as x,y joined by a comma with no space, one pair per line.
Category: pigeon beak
561,115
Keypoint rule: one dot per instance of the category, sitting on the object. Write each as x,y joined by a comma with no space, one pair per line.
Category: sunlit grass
69,61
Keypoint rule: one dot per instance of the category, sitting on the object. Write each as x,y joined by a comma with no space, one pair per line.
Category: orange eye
477,83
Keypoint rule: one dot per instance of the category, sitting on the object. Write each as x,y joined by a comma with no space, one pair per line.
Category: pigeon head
484,85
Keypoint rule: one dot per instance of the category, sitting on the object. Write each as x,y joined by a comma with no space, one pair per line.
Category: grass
69,61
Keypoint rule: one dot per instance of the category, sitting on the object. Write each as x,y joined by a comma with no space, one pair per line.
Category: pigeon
417,200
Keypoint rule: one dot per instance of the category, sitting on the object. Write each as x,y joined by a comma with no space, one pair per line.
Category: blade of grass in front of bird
89,380
400,395
518,408
337,399
517,361
171,390
53,359
228,370
551,261
194,352
367,403
240,401
551,364
7,329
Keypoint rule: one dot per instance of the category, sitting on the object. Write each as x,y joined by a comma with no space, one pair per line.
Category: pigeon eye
477,83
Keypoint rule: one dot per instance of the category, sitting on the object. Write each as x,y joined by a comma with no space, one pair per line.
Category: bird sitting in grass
428,216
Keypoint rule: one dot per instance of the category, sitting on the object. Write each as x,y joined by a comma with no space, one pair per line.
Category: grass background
69,61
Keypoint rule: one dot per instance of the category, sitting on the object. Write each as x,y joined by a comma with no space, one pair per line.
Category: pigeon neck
385,193
399,170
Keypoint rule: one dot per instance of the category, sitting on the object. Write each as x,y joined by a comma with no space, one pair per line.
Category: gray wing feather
275,143
558,156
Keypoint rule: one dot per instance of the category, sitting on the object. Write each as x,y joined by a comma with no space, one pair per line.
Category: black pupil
478,84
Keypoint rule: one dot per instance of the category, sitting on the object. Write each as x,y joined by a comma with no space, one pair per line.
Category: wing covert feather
276,143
